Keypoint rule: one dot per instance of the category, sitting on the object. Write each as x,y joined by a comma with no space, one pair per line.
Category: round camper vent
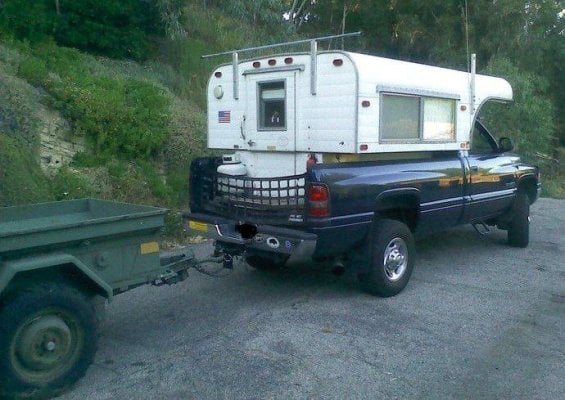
218,74
219,92
256,64
338,62
272,62
288,60
366,103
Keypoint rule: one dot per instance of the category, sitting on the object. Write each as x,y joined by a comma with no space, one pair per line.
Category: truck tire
392,253
519,226
48,339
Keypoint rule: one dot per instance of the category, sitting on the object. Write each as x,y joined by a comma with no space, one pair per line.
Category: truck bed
56,223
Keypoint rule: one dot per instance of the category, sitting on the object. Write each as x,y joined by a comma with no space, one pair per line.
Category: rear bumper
292,243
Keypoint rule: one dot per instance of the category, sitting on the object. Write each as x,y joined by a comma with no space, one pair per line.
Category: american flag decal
224,117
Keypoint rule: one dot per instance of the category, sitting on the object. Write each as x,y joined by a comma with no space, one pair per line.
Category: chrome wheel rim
395,259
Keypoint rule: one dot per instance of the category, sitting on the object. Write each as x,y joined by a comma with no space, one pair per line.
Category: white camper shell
275,112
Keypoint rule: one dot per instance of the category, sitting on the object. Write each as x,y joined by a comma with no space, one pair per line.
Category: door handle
251,143
242,128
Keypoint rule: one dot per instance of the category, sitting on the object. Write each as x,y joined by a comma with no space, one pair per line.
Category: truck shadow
216,300
462,243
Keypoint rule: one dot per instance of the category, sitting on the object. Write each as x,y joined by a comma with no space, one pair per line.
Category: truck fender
13,267
528,184
400,198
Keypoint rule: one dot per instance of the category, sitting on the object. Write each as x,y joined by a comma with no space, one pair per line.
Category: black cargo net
265,198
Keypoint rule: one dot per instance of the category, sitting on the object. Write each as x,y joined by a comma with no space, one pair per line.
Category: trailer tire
519,226
392,254
48,338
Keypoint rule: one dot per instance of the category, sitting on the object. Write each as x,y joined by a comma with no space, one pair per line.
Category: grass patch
553,178
70,184
22,181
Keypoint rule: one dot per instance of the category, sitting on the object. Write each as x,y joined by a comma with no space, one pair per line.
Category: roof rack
313,52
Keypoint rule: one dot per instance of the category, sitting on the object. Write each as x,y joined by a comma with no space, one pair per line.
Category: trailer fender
13,267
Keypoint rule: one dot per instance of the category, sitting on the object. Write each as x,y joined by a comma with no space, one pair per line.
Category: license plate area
247,231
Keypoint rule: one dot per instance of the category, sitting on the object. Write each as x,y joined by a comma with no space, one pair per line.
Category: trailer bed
57,223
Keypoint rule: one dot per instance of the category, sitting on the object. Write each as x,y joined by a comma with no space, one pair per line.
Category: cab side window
481,141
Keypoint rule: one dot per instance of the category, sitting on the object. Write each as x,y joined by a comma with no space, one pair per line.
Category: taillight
318,200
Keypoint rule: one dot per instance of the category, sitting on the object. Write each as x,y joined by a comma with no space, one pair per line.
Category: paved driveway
478,320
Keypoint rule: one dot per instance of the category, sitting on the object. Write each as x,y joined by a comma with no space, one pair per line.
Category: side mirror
505,144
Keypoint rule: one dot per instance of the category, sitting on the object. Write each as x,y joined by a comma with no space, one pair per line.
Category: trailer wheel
47,340
519,226
392,253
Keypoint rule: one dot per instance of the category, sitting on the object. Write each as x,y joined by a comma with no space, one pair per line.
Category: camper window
400,117
410,118
272,105
439,119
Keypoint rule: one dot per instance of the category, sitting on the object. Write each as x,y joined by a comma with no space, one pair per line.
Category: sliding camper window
408,118
272,105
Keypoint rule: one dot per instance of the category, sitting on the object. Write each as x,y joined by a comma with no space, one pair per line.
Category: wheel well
68,274
401,208
529,186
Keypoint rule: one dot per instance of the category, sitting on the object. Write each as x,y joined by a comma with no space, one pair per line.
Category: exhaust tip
273,242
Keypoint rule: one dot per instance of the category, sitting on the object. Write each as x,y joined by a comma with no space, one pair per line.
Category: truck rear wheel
392,253
519,226
47,340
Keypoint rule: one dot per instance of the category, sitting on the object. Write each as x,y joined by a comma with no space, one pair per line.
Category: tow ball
228,261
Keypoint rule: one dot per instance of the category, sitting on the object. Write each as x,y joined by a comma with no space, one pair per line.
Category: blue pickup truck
345,158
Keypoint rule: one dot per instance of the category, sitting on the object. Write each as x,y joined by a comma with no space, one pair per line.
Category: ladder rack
313,53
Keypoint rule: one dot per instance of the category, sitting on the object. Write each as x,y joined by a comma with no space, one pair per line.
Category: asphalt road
478,320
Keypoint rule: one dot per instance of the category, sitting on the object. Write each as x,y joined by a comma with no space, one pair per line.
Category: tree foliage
529,34
112,28
529,121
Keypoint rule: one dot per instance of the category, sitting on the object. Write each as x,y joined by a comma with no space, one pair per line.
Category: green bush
33,20
33,70
187,141
126,117
21,179
119,115
113,28
154,182
68,184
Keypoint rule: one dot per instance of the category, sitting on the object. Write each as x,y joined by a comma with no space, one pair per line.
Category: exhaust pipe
273,242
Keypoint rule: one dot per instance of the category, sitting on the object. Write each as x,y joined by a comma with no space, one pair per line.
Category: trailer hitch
177,263
228,261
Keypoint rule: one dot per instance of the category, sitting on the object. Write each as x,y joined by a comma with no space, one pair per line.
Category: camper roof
396,75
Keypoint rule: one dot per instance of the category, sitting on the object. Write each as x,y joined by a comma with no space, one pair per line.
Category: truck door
270,120
492,176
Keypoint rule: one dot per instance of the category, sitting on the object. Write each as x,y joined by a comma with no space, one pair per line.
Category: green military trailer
57,262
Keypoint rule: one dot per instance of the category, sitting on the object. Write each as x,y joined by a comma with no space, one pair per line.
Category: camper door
270,121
